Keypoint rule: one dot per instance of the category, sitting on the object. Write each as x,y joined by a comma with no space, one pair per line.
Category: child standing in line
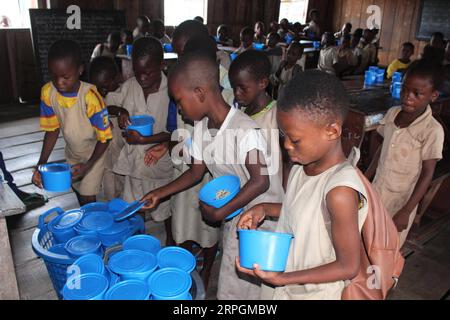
289,67
103,73
274,52
325,203
225,142
403,62
76,109
413,142
145,94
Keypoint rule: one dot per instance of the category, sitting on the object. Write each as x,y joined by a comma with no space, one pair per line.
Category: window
15,14
177,11
294,10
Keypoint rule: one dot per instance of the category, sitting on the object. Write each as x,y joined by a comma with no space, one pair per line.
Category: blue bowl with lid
138,224
128,290
116,233
56,177
81,245
88,286
97,221
113,278
143,242
91,263
95,206
170,284
116,205
176,257
62,226
133,264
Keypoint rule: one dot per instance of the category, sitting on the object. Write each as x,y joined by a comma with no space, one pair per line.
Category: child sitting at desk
347,59
194,85
328,58
325,205
77,109
289,67
400,64
366,52
246,37
413,142
108,49
159,31
222,37
259,33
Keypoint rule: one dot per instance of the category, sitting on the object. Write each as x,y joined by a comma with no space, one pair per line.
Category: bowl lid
97,220
67,220
128,290
90,263
129,261
83,244
85,286
143,242
116,228
129,211
169,282
176,257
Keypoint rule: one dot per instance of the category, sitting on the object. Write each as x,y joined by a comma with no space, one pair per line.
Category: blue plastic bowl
95,206
170,284
380,75
90,263
176,257
88,286
56,177
168,48
62,226
116,233
97,221
370,78
81,245
269,250
58,249
116,205
143,242
258,46
113,278
128,290
81,231
209,192
142,124
129,49
138,224
233,56
133,264
316,44
397,77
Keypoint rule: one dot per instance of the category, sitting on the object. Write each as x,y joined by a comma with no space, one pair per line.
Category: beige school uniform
304,214
224,153
139,178
285,76
113,183
187,222
401,158
327,59
80,137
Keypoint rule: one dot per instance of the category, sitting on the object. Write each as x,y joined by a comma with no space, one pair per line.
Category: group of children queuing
287,154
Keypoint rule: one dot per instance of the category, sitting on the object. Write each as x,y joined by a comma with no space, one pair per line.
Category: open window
177,11
294,10
14,14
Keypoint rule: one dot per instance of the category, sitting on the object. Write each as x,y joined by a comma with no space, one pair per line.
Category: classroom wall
399,20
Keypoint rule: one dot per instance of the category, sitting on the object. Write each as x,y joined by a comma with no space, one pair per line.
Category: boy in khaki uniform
77,109
413,142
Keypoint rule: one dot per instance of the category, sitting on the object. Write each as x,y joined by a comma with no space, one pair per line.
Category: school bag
381,260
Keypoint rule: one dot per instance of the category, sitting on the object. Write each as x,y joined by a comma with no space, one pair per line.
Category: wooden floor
426,275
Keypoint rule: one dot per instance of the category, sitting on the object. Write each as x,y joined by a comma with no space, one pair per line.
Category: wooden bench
10,205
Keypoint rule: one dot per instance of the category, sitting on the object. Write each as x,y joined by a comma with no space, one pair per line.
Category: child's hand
152,200
132,137
124,119
210,214
153,154
250,219
273,278
79,170
37,179
401,219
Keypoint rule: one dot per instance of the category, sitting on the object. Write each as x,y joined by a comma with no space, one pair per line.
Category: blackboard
434,16
49,25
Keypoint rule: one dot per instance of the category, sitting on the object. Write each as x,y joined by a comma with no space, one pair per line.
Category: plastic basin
170,284
142,124
218,192
128,290
143,242
269,250
133,264
89,286
56,177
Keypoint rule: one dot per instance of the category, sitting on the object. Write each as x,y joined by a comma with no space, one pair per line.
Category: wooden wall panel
399,19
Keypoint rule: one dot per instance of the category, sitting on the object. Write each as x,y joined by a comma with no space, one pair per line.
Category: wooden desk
10,205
